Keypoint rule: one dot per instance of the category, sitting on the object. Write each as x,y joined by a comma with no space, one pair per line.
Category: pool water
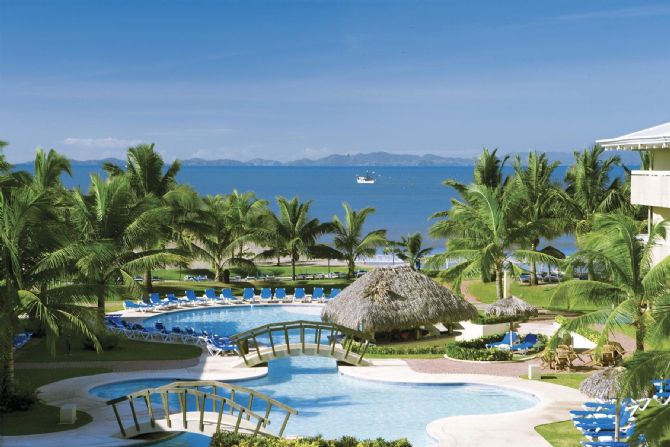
329,403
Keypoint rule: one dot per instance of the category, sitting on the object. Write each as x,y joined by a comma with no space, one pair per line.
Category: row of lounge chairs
21,339
190,299
512,341
215,344
597,420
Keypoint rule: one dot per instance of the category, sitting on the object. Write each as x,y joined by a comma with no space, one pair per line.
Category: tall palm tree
488,172
483,234
213,237
298,232
410,249
145,170
540,204
349,240
629,286
248,217
30,229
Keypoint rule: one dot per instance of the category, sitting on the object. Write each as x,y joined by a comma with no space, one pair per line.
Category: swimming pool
329,403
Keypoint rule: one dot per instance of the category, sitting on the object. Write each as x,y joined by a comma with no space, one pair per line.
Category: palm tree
144,168
483,234
349,240
30,229
213,237
248,217
630,285
298,232
540,204
410,249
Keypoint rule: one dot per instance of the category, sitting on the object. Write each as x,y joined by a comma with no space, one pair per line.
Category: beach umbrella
513,307
606,385
390,298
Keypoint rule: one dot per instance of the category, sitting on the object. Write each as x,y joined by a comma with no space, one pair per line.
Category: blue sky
285,79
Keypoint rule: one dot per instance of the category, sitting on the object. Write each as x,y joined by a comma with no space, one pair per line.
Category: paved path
441,366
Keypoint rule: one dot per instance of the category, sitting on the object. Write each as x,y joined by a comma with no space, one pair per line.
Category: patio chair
248,295
280,295
528,343
228,295
508,340
299,294
563,357
266,295
317,294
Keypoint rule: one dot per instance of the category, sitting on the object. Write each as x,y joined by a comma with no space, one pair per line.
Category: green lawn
571,380
127,350
538,296
561,434
43,418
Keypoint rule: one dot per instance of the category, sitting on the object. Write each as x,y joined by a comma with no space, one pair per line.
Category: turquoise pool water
329,403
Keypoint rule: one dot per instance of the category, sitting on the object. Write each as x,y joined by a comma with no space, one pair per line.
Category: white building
650,187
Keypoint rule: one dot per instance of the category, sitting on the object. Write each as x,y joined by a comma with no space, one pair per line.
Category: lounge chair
140,307
191,298
280,295
248,295
333,294
662,393
526,345
210,297
163,332
563,357
299,294
172,299
317,294
266,295
228,295
508,340
155,300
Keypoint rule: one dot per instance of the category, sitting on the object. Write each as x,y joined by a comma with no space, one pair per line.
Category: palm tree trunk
293,266
533,265
639,336
352,267
499,283
218,273
7,360
147,281
590,273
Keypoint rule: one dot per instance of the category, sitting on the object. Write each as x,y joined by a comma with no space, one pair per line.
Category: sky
290,79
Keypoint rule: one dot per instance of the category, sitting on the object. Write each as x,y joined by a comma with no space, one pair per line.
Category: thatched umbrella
390,298
512,307
606,385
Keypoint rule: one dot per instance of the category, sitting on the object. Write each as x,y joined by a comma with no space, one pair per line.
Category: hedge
228,439
487,355
485,319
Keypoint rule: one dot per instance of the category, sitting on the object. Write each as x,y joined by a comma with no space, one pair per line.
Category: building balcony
650,188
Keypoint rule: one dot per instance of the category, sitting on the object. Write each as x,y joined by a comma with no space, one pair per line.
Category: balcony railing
651,188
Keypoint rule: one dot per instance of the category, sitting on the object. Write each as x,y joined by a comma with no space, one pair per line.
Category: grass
127,350
538,296
276,270
561,434
24,422
571,380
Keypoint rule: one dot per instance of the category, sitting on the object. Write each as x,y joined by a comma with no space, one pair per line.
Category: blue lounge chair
210,295
172,299
192,298
280,295
266,295
248,294
662,393
333,294
141,307
509,339
526,345
299,294
155,300
317,294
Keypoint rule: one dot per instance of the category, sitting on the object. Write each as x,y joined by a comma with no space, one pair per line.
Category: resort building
650,187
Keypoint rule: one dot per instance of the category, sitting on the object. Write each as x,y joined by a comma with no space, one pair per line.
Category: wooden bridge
308,339
203,407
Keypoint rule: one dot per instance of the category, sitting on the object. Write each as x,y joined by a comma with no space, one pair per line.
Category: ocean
404,197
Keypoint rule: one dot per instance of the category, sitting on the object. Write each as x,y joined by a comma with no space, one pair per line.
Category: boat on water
367,179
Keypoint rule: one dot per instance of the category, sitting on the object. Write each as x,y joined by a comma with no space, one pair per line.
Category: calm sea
404,197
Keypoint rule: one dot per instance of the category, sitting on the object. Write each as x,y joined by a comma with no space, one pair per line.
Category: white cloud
317,152
109,142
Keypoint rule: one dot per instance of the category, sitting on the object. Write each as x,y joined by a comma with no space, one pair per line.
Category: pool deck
498,430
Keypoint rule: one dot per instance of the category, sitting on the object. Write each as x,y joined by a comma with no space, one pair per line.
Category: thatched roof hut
390,298
511,307
605,384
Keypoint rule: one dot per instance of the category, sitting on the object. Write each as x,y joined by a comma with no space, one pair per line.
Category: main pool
330,403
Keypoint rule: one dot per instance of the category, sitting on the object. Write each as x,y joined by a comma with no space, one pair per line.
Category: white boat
366,179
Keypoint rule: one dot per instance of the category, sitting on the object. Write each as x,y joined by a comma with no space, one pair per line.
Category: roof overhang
657,137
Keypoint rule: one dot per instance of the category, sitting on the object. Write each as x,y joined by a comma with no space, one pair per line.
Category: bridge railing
280,332
183,389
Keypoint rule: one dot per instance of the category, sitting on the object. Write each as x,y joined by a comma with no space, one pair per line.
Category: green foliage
586,332
405,350
485,319
17,400
490,355
228,439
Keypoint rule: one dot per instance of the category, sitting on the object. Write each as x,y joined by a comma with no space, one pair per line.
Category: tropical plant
31,228
144,169
540,204
482,235
630,284
248,217
410,249
349,239
297,231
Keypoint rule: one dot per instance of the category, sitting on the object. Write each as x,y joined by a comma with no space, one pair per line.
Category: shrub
488,355
484,319
17,400
402,350
478,343
228,439
106,339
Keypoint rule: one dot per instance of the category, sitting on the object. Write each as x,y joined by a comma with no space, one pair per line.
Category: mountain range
371,159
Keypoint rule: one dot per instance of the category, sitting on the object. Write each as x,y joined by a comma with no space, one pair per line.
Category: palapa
390,298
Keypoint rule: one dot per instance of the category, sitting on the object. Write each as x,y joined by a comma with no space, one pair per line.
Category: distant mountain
370,159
